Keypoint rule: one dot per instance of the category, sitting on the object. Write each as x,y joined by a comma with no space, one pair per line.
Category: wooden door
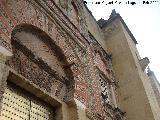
18,104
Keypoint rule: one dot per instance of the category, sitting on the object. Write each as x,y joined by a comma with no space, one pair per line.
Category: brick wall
72,59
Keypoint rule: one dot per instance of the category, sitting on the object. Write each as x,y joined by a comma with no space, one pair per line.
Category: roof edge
90,13
113,17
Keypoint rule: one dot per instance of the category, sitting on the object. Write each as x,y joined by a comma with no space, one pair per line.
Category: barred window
105,90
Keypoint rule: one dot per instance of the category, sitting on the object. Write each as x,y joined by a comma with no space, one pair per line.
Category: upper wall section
92,26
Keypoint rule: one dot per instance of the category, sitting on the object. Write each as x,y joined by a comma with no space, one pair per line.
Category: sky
142,19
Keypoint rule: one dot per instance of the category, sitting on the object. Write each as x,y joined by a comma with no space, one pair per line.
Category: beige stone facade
58,63
135,94
155,85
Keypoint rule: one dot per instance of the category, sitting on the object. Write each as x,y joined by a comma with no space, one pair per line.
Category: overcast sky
142,19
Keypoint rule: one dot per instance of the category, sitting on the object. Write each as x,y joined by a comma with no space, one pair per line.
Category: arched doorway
40,75
19,104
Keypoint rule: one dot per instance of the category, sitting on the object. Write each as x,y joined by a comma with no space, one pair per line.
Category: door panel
18,104
40,111
15,106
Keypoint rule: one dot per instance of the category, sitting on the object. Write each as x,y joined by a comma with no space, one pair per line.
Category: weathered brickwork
52,49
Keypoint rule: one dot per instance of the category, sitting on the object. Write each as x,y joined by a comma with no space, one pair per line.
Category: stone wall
134,92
